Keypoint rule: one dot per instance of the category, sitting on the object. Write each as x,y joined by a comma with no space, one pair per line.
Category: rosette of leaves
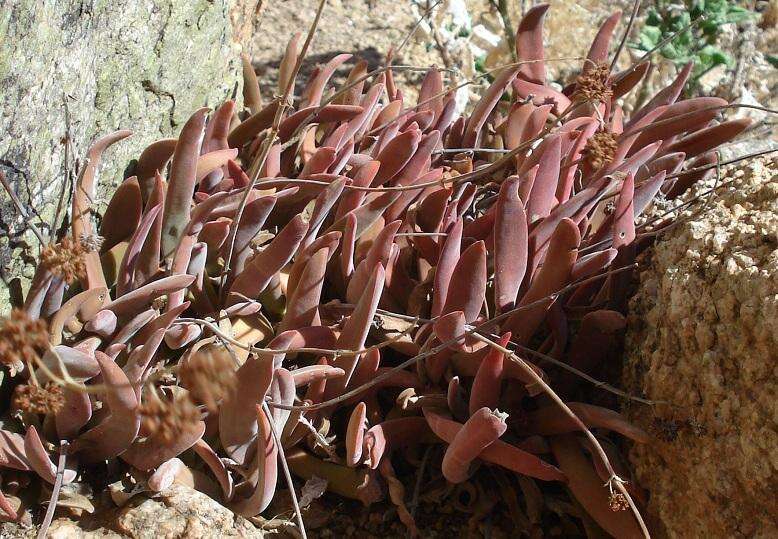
333,285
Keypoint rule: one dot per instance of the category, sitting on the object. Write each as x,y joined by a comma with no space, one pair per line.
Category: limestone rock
704,338
181,512
77,70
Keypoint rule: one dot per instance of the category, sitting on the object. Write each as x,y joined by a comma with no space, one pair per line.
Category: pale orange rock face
703,334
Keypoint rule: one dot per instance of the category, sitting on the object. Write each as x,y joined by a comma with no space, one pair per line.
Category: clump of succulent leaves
344,281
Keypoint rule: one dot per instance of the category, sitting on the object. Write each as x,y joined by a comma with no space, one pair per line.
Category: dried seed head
33,399
593,85
65,259
168,418
618,502
22,340
600,149
209,375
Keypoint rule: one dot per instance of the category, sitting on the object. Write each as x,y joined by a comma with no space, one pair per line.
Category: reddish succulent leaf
39,460
686,180
181,183
126,271
329,240
218,127
313,373
357,325
74,414
79,364
282,391
551,420
153,159
83,198
122,215
352,95
117,431
588,265
666,96
395,156
216,466
147,264
368,104
316,88
302,308
419,163
541,95
529,45
142,297
517,123
266,470
709,138
485,392
552,276
678,118
355,434
541,199
467,287
352,198
485,106
589,490
482,428
260,270
379,253
498,452
627,80
598,52
211,161
253,125
238,412
324,203
254,216
624,215
447,262
12,454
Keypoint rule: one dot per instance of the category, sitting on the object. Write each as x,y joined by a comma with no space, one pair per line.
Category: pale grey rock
143,65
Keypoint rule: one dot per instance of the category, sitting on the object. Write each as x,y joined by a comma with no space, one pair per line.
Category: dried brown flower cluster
618,502
209,375
22,340
65,259
593,84
167,418
600,149
33,399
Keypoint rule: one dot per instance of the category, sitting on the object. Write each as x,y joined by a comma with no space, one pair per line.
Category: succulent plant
325,283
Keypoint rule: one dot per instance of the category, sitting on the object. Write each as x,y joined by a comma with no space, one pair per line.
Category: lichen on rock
77,70
704,338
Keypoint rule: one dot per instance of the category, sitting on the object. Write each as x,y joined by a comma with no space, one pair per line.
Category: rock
76,70
703,336
180,512
176,513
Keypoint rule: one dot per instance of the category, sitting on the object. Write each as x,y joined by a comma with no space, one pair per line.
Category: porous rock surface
178,512
82,69
704,338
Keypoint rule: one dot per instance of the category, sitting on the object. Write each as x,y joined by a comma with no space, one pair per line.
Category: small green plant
702,20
